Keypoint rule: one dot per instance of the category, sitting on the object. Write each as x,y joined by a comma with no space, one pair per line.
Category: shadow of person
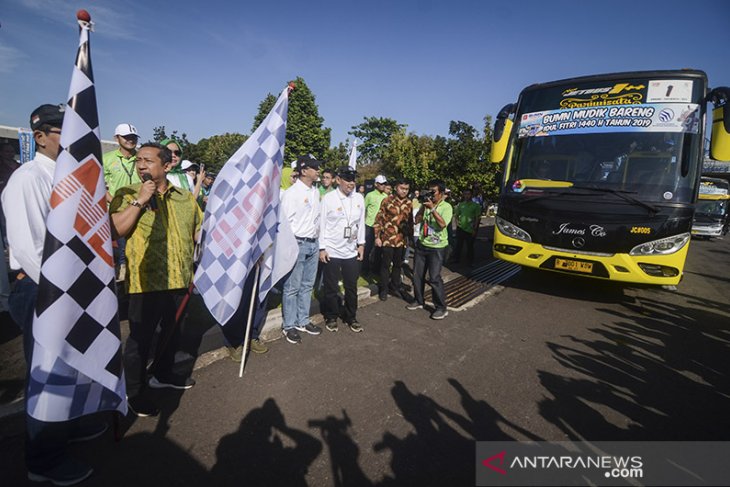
484,421
258,453
437,453
343,451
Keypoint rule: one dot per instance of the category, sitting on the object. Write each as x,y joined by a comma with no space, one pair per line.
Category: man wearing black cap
342,246
27,200
300,205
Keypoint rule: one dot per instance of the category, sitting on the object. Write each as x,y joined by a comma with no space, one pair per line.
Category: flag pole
250,318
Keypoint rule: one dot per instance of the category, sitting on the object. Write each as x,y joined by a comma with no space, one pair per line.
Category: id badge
347,233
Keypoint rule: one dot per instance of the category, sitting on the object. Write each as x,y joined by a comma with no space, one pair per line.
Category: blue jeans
297,295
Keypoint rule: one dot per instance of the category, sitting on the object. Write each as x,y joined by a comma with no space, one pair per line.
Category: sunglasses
176,152
53,131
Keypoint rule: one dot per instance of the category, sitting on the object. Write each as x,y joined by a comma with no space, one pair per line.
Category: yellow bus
601,173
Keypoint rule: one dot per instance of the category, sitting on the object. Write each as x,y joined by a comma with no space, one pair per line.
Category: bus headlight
662,246
512,231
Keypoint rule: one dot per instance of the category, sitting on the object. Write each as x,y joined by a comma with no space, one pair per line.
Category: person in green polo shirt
434,215
372,205
467,214
120,171
119,168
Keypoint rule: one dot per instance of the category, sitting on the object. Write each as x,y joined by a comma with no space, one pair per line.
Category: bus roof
683,73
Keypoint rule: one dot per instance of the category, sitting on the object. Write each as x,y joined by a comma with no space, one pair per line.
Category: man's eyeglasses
53,131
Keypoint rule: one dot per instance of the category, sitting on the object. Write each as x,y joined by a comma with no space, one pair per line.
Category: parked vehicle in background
711,209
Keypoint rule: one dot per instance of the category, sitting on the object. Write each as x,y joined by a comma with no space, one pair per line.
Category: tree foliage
305,133
461,159
159,133
216,150
374,135
337,156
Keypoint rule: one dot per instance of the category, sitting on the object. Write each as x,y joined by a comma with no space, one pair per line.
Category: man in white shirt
27,202
300,205
341,248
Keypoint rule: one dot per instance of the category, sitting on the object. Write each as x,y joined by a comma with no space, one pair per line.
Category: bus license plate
574,265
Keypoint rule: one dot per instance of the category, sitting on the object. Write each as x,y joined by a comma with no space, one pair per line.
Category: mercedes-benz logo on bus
578,242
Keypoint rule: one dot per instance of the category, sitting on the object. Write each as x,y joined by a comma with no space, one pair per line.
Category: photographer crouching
435,217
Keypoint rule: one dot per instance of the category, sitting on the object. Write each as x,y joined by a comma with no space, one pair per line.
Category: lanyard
342,202
129,173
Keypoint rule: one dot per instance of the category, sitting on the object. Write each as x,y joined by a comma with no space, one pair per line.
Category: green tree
159,133
410,156
305,133
374,135
337,156
216,150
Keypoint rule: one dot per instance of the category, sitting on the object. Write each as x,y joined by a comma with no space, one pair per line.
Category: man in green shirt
326,182
161,223
372,205
467,214
119,168
120,171
434,215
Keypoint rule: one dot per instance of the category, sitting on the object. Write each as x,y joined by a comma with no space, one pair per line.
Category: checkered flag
77,360
241,223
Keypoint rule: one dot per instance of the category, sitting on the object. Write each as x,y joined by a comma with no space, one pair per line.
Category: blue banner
27,145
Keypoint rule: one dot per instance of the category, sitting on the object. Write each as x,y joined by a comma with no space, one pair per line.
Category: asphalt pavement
546,357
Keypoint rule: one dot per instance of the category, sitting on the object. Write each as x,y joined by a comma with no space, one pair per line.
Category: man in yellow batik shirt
161,223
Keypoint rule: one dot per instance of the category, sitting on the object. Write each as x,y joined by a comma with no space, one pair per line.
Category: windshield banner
652,117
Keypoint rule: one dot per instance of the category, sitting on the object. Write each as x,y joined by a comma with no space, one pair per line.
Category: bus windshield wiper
621,194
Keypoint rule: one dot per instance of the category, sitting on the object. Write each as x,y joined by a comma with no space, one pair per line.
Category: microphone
153,200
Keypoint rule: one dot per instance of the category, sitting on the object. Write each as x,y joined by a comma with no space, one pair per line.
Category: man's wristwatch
137,204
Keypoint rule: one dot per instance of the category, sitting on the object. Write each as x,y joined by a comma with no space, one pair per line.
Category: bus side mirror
720,138
501,134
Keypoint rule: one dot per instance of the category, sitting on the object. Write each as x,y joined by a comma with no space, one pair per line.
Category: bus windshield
646,163
710,207
636,135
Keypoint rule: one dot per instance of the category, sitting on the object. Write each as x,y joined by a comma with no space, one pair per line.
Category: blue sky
202,67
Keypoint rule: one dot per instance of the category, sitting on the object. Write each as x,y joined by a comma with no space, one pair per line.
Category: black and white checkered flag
77,353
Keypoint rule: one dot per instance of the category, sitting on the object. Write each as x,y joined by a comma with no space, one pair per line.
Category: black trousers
147,311
348,269
390,269
431,260
464,237
371,259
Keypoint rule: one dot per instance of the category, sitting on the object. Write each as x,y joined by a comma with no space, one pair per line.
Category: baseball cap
307,161
185,165
125,129
347,173
380,179
47,114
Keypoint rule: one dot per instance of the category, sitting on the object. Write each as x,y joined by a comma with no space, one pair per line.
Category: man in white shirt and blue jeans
300,205
342,246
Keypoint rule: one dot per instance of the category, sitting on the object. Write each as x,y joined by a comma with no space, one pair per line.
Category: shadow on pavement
658,372
264,451
441,450
567,286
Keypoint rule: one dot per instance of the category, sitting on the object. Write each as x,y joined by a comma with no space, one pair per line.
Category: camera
426,196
